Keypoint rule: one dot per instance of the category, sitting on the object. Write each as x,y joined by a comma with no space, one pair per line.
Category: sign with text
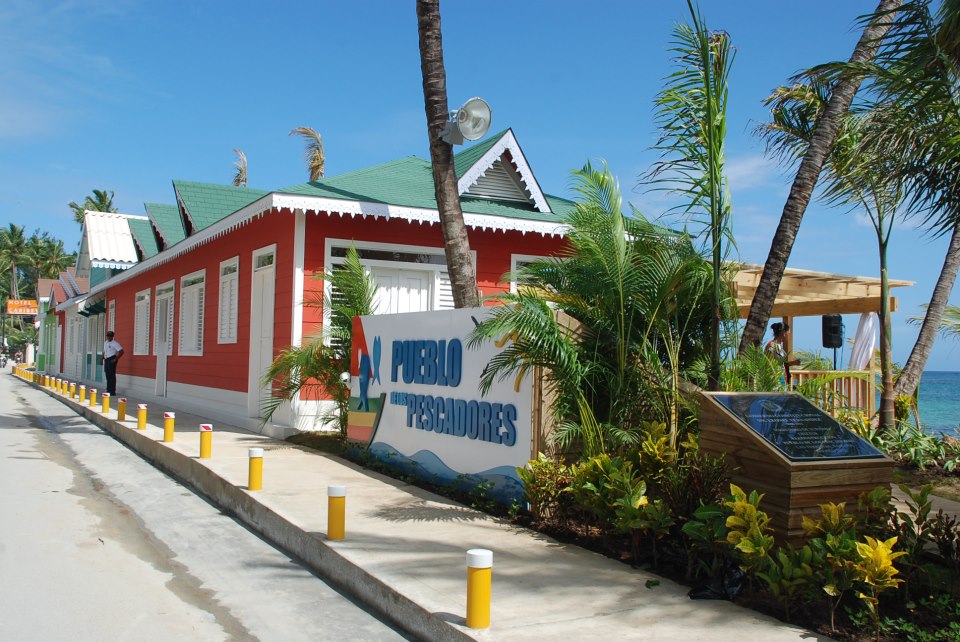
796,427
415,400
22,307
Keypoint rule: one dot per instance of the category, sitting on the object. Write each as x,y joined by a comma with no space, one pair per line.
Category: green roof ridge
143,235
208,203
167,219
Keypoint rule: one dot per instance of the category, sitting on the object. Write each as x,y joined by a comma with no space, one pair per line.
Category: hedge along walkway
404,552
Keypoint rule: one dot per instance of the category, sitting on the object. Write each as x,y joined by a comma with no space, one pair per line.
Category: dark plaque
796,427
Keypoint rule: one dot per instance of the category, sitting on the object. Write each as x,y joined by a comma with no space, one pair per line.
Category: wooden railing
849,389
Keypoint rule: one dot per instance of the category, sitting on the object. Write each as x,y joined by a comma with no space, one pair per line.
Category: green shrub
545,485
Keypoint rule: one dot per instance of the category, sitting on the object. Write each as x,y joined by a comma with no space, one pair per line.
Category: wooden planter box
792,486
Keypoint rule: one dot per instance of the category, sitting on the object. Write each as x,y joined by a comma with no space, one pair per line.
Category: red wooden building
220,280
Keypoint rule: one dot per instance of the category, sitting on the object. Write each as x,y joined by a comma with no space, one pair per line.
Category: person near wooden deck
777,348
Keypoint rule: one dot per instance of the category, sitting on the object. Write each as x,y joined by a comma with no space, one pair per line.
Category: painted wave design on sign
506,486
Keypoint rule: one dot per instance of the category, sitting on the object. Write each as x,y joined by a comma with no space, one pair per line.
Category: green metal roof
167,219
207,203
408,182
143,236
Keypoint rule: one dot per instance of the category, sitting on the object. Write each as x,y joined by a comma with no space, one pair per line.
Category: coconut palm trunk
807,175
909,377
456,245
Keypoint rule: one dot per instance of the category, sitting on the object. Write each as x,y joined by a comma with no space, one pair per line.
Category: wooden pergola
805,293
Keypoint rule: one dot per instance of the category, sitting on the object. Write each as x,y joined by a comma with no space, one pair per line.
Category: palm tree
855,177
456,245
808,172
318,364
314,152
949,324
98,201
639,298
240,176
914,79
14,254
691,112
53,259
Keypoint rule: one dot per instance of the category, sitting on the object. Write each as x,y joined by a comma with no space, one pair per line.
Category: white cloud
748,172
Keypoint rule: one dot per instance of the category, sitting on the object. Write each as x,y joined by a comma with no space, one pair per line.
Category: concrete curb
312,549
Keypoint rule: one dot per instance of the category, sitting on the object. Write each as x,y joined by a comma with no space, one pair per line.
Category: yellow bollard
206,440
141,416
168,419
83,394
255,477
479,581
93,397
73,390
60,385
46,381
122,409
336,512
57,384
106,402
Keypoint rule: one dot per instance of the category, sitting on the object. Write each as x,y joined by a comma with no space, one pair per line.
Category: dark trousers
110,370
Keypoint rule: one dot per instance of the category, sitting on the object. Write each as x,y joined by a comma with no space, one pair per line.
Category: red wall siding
493,249
222,366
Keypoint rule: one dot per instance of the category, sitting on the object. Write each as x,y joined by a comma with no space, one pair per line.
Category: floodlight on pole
470,122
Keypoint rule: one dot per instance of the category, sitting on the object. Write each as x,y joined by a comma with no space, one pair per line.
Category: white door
402,290
162,324
261,328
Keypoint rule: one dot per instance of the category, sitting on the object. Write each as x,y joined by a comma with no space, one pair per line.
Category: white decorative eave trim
120,265
331,206
414,215
507,142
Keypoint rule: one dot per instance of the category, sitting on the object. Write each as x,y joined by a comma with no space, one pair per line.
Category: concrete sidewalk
404,553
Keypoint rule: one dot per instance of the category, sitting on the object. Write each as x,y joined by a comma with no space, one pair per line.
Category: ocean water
940,402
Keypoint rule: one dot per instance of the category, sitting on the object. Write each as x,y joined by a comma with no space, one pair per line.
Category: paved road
98,545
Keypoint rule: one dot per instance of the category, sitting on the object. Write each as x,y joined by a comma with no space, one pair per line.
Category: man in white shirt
112,351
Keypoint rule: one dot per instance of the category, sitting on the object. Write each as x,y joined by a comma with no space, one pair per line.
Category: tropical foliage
614,321
240,168
98,201
808,172
912,93
692,118
856,178
313,154
316,368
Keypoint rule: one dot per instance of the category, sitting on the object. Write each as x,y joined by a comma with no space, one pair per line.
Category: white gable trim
507,142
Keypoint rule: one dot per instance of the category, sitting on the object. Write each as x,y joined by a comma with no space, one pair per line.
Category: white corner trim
507,142
299,244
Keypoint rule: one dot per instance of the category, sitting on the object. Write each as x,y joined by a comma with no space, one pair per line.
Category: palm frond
314,153
240,167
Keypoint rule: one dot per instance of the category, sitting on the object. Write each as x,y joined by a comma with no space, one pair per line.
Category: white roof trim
414,215
507,142
121,265
293,202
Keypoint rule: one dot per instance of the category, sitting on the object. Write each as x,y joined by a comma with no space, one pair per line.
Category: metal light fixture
470,122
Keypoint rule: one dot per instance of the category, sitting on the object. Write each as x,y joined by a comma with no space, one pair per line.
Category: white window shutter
198,337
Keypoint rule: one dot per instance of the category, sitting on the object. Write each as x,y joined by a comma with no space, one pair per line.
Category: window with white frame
518,261
191,314
163,292
229,290
112,314
404,260
141,323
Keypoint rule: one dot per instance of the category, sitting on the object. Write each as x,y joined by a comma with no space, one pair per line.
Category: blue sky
128,95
